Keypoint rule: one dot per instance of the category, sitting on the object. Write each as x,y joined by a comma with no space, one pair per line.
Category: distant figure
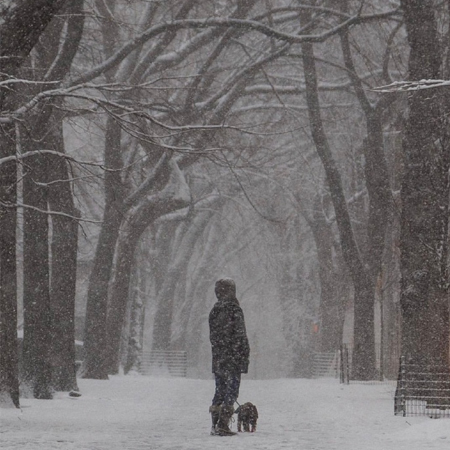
230,354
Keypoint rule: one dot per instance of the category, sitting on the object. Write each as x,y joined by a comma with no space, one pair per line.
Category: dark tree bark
180,256
424,197
332,283
9,382
376,178
94,365
22,24
364,334
44,130
138,301
64,247
199,298
36,284
57,333
139,218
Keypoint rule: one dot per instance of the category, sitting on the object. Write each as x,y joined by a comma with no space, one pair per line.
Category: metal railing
345,369
325,365
423,389
164,363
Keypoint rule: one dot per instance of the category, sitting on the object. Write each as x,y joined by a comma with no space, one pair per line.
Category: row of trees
199,107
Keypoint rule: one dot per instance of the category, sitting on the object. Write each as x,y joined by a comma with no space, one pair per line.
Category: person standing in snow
230,354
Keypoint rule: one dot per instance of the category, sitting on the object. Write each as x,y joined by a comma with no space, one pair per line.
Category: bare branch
408,86
248,25
50,213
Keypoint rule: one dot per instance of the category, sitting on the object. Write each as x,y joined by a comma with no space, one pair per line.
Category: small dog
247,417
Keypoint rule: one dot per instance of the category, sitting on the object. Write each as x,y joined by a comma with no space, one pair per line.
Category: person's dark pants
227,388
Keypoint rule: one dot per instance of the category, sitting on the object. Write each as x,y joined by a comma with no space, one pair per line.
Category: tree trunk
36,285
62,293
174,196
94,365
332,303
64,247
120,285
180,256
297,333
21,27
45,130
376,178
199,299
424,197
137,318
363,363
9,383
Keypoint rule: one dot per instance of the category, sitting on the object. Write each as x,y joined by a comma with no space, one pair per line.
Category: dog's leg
239,426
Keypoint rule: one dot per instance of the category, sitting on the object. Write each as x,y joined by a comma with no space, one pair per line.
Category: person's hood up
225,290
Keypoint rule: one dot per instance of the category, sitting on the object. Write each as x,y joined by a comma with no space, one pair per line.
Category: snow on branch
50,213
408,86
110,106
29,154
183,214
10,81
249,25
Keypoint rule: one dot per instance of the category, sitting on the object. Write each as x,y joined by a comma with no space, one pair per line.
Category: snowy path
172,414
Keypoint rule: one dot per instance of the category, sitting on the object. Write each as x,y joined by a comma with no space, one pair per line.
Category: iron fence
423,389
170,363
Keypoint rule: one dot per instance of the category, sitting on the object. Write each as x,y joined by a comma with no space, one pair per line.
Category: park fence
325,365
345,369
164,363
344,365
423,389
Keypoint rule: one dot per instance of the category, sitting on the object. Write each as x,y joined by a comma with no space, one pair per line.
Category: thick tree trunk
200,298
62,294
174,196
163,240
64,247
425,197
23,22
364,333
45,130
390,280
94,365
297,333
376,178
332,302
36,285
364,363
22,25
137,317
9,383
120,286
180,256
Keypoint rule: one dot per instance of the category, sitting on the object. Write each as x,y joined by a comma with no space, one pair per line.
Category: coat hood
225,290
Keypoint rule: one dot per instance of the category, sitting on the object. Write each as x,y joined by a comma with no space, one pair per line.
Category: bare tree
425,196
22,24
49,301
363,261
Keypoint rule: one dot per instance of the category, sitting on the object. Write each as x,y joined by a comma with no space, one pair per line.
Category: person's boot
222,427
215,413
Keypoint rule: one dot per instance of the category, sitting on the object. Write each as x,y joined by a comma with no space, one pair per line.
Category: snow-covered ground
136,412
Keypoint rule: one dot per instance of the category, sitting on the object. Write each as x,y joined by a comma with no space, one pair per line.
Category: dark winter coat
230,349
